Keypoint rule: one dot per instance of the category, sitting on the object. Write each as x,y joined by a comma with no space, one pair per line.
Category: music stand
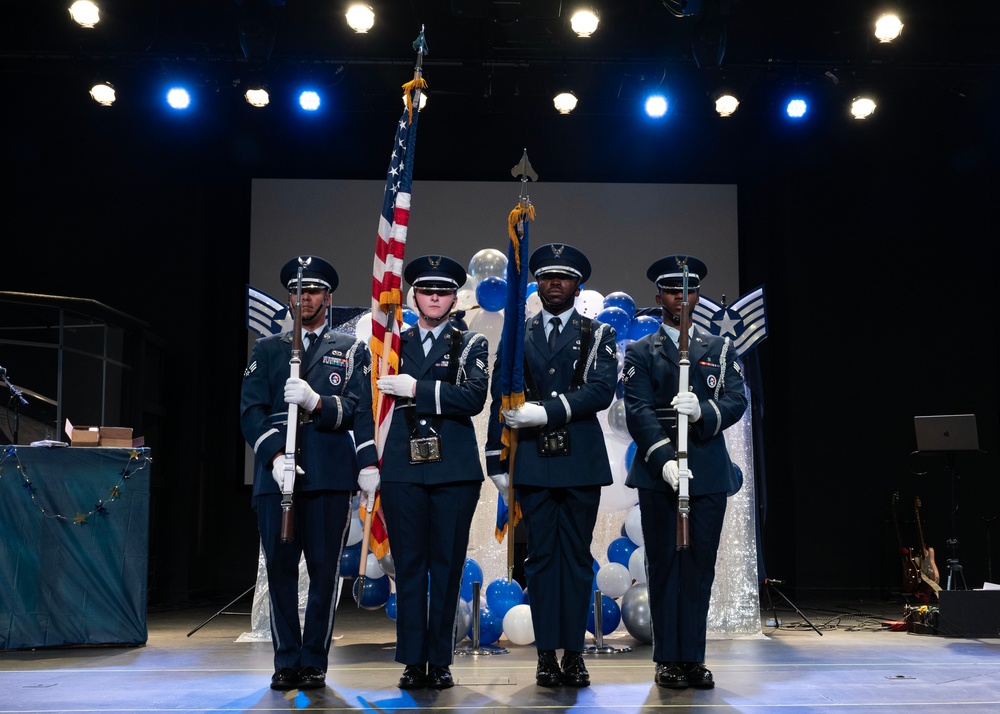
948,434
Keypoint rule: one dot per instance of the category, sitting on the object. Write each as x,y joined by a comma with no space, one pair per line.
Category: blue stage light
797,108
309,100
178,98
656,105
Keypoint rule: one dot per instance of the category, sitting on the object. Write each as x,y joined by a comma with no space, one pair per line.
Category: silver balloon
616,419
488,263
463,620
387,565
635,613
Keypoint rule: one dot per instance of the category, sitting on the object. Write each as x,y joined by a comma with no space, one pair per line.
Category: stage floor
857,664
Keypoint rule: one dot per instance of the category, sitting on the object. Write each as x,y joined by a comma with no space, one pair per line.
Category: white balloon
616,496
466,299
633,526
517,625
411,302
373,569
533,305
357,530
363,328
637,564
589,303
614,580
488,324
488,263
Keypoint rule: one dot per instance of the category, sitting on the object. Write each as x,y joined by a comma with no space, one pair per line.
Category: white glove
526,415
687,403
281,469
502,482
298,391
368,481
398,385
671,474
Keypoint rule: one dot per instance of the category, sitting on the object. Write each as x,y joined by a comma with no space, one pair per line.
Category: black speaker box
969,613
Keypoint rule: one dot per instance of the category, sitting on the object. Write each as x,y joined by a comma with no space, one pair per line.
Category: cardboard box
120,436
83,435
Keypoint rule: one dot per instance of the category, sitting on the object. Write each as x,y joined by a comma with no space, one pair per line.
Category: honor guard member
561,463
680,582
333,372
431,474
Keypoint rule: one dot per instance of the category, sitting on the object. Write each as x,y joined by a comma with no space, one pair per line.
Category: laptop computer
946,432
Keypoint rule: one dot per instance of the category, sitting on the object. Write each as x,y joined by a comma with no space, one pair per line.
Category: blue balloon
502,595
617,318
620,550
630,455
611,616
409,317
374,595
642,326
472,573
390,606
622,300
490,626
350,560
491,294
531,290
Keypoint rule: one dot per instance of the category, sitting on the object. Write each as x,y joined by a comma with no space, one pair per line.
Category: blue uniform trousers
680,582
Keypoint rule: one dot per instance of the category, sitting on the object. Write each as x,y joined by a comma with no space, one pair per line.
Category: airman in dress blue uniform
333,371
561,461
430,474
680,582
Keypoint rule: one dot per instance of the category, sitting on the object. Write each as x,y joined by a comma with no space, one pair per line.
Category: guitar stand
223,610
771,590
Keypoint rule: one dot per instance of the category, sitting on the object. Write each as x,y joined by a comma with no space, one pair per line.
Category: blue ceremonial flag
512,342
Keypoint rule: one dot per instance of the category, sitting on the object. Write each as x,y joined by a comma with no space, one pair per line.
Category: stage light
360,18
584,22
656,106
103,94
888,28
178,98
257,97
796,108
726,104
309,100
85,13
862,107
564,102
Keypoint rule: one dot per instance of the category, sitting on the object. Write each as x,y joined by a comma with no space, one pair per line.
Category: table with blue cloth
74,546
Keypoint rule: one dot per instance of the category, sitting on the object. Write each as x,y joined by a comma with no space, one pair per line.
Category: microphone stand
17,399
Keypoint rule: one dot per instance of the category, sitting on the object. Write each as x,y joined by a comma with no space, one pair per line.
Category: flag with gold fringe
512,356
387,295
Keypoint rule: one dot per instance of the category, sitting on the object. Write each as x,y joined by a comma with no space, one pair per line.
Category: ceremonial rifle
292,432
683,377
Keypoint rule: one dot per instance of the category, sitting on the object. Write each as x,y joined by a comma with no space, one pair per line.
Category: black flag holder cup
599,647
477,647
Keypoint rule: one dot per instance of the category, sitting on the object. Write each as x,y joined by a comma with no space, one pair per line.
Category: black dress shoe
548,674
575,672
439,677
284,679
670,675
698,675
312,678
414,677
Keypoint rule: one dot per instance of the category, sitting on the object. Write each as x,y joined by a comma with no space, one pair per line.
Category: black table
74,537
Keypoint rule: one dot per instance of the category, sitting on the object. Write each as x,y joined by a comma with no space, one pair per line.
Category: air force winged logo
265,315
744,321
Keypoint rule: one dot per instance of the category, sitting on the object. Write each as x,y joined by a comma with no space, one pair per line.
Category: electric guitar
928,568
911,567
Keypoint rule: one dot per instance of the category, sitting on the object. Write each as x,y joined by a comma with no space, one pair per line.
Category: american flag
387,295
